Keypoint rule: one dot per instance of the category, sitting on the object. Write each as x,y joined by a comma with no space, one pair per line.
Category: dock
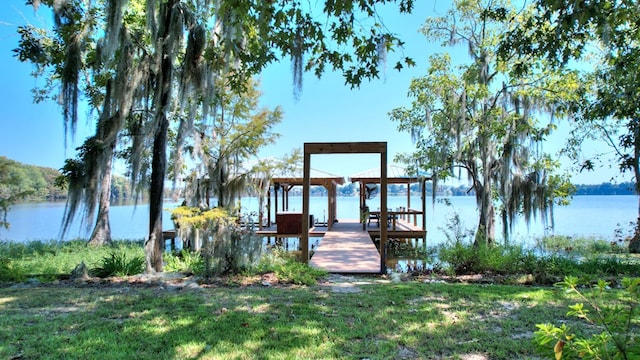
346,248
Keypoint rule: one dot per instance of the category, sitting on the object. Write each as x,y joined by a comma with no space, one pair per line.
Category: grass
381,321
307,320
48,261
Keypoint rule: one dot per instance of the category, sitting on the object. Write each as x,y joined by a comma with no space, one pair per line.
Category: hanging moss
226,247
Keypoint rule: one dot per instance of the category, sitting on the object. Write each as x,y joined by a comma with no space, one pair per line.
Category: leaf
558,349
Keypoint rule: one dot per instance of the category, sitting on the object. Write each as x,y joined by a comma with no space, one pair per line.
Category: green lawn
376,321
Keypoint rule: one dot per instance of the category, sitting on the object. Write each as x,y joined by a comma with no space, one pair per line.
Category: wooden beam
345,148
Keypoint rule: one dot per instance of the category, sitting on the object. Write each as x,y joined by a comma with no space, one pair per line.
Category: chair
373,216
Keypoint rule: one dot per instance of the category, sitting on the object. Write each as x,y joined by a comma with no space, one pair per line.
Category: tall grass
53,259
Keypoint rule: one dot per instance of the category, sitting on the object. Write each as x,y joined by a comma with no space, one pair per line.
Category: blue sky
327,111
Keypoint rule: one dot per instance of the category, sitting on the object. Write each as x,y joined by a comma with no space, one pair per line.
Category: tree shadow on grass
407,320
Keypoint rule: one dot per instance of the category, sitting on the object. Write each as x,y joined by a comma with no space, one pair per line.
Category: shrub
615,319
470,259
117,264
9,272
226,246
460,258
289,270
607,265
185,261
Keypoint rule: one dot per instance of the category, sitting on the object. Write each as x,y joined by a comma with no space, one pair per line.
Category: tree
566,31
163,59
222,146
13,187
484,119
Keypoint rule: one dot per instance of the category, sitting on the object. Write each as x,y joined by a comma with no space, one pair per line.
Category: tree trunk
101,234
634,244
485,234
154,245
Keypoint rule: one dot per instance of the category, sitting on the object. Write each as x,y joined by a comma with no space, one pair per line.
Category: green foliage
226,247
467,258
10,271
483,121
52,260
613,316
14,186
185,261
552,258
289,269
118,264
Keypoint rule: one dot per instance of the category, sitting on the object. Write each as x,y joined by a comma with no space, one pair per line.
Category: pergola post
306,187
384,215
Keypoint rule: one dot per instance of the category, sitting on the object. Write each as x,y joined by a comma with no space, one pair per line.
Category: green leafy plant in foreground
288,269
616,322
184,261
9,271
117,264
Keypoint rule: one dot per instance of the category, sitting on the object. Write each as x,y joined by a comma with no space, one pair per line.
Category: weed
614,316
184,261
117,264
289,270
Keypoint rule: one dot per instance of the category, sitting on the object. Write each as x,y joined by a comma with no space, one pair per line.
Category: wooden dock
347,249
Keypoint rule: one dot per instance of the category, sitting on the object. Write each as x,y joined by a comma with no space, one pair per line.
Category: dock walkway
347,249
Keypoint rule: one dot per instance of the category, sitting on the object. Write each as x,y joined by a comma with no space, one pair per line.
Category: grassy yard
364,318
259,315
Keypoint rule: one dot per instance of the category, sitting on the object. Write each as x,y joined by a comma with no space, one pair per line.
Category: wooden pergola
395,175
328,181
344,148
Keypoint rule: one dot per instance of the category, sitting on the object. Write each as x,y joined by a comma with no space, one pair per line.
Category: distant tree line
35,181
40,183
626,188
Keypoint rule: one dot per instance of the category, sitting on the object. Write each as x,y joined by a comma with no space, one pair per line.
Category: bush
185,261
9,272
227,248
289,270
117,264
470,259
614,316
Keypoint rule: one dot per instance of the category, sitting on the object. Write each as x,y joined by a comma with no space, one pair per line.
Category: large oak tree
484,120
162,60
603,34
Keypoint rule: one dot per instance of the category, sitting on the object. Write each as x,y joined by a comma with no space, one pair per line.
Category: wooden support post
383,210
424,209
306,184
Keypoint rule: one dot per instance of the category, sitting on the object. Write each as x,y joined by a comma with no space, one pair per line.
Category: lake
589,216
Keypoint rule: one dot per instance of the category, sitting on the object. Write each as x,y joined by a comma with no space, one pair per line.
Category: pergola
395,175
344,148
318,178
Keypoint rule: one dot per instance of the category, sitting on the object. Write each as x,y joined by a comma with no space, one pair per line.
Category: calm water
597,216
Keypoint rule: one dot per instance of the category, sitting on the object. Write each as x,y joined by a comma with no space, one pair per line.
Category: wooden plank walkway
347,249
